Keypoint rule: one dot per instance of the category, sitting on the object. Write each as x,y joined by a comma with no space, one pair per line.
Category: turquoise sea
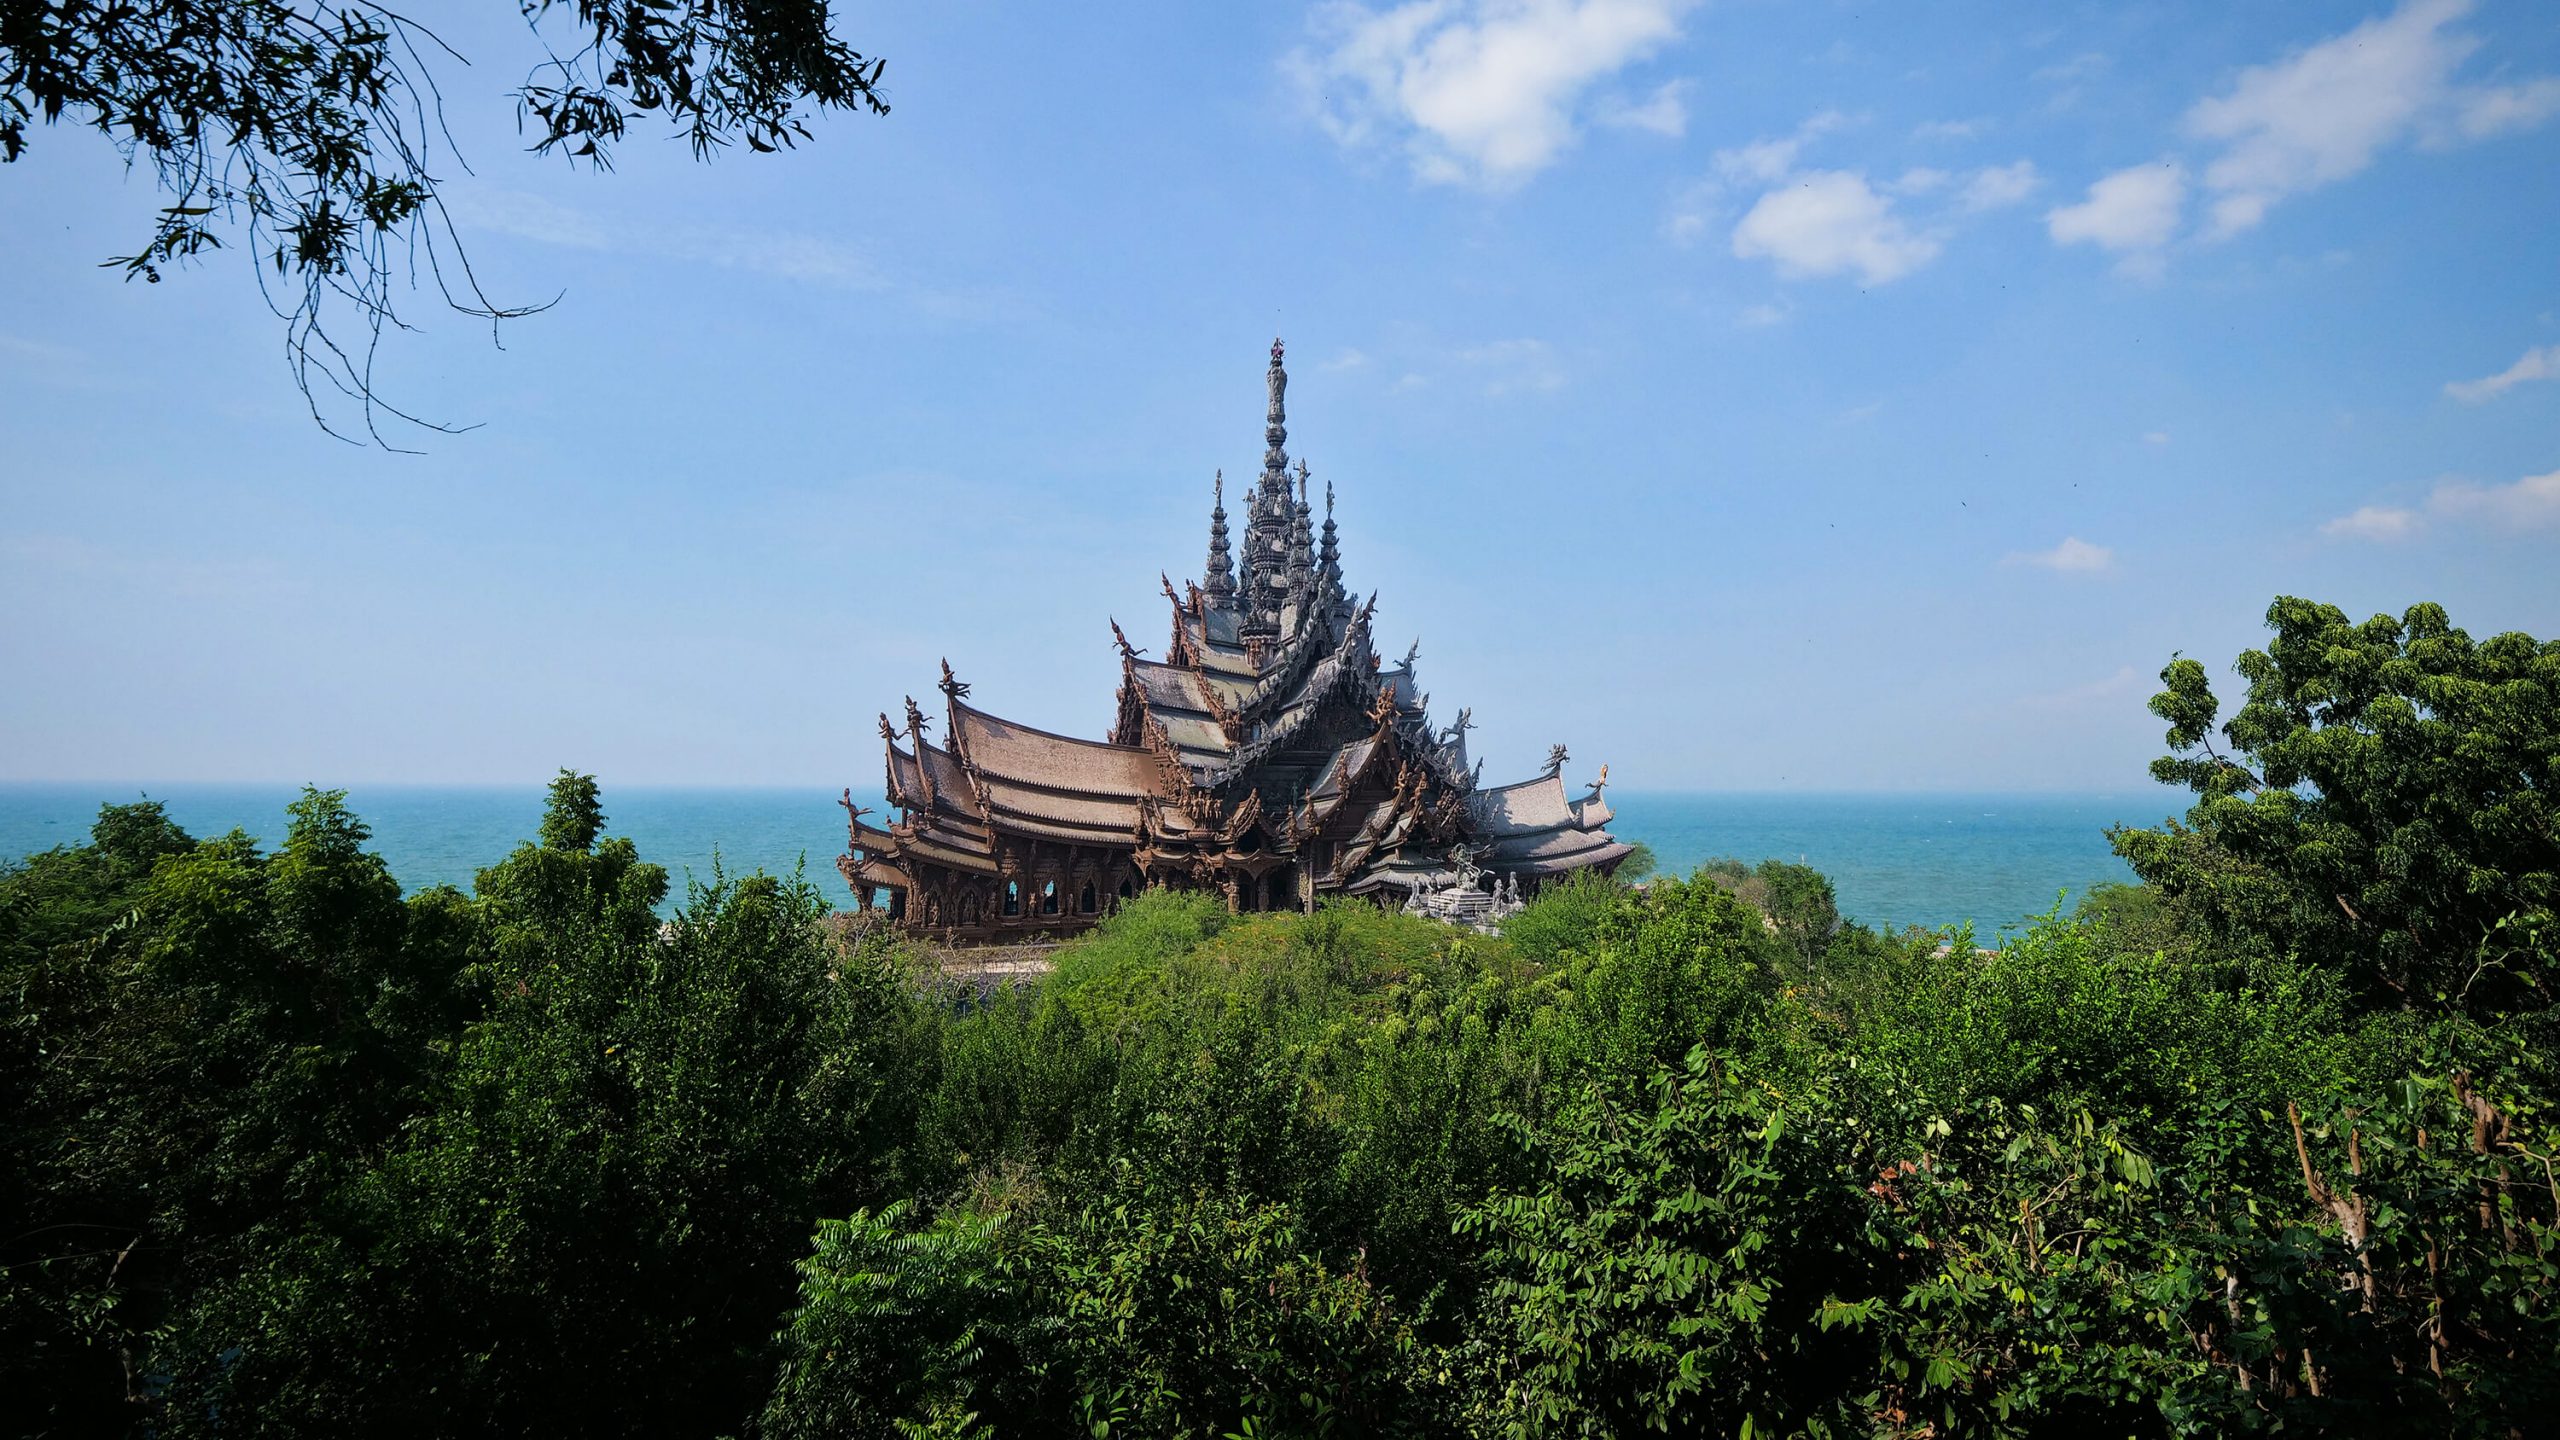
1929,860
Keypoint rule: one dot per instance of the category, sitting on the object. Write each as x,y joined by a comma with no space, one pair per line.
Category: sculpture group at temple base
1473,899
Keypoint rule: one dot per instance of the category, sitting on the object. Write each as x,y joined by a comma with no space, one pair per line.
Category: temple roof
1525,805
950,785
1535,828
1553,852
1062,764
1271,701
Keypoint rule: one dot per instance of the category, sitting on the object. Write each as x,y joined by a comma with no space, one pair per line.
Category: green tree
574,815
1802,909
201,1076
1638,864
2386,801
308,130
66,1308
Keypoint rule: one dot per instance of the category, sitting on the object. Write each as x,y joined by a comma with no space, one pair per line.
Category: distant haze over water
1900,859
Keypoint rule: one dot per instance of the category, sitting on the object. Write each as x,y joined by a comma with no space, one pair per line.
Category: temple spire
1275,424
1329,566
1222,580
1301,571
1263,576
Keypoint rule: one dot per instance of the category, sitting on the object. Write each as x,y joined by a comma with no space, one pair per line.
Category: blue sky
1753,395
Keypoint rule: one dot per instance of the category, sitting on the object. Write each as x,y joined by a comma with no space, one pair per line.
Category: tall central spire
1270,514
1275,425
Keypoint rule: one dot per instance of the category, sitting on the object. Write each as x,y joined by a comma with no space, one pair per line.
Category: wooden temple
1269,757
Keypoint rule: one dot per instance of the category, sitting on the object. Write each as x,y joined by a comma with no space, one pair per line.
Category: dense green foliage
288,1153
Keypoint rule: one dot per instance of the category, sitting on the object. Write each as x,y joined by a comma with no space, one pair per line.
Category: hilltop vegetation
290,1153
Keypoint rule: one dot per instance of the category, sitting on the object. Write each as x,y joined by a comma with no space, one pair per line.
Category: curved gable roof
1526,805
1001,748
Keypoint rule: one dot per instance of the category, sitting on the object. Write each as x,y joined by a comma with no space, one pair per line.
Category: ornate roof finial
888,731
1557,759
951,686
915,729
1222,578
1127,650
1382,709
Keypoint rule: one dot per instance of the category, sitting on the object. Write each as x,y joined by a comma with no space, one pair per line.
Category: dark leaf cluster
311,133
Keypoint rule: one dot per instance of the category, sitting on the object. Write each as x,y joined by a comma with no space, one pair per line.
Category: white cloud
781,254
2542,364
2529,503
1833,222
2322,113
1770,158
37,349
1996,187
1830,222
187,578
1948,129
2496,110
1703,206
2373,522
1349,359
1480,92
1512,367
2079,67
1665,113
1758,316
2126,681
2155,437
523,215
2074,556
2135,209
